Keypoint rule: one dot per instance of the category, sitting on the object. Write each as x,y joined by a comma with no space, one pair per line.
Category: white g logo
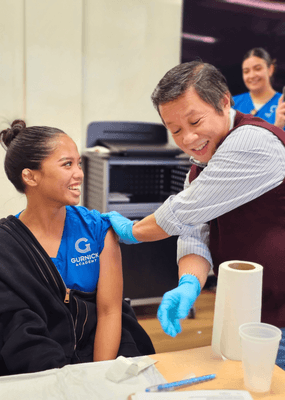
87,246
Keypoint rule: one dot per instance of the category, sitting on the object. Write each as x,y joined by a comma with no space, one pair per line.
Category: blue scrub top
82,242
244,104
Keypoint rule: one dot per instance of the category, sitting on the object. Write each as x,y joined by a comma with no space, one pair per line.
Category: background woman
61,279
261,100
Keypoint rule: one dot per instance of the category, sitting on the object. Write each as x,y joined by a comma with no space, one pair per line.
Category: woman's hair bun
7,135
18,125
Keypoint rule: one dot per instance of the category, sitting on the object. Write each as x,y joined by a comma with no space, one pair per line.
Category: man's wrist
188,273
130,234
189,277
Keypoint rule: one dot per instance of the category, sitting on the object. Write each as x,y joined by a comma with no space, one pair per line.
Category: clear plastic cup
259,344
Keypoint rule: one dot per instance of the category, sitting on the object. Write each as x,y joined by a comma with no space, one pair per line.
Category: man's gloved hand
122,226
176,304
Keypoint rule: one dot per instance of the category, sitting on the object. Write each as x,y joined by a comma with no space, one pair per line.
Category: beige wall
125,55
65,63
12,89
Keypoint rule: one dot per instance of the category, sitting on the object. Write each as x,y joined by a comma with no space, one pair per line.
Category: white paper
123,368
76,382
117,197
238,300
98,149
195,395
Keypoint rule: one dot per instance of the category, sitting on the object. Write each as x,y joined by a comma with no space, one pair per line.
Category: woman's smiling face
60,177
196,127
256,74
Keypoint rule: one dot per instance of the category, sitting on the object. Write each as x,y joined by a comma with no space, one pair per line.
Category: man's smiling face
196,127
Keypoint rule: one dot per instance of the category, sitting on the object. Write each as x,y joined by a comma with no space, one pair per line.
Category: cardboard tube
238,300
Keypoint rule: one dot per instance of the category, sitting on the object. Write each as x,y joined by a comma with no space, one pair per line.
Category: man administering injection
233,203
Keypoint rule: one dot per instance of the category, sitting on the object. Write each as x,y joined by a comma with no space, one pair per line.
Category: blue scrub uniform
81,244
244,104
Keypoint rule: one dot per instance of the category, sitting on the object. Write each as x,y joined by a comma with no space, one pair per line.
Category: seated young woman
61,280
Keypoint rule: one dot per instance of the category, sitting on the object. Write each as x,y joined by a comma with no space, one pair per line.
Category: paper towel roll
238,300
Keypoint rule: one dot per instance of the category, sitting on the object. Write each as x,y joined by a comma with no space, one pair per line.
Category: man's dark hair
209,83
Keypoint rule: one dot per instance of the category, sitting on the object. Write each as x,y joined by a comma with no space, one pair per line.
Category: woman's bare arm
109,300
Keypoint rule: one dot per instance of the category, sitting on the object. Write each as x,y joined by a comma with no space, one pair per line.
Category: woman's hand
280,113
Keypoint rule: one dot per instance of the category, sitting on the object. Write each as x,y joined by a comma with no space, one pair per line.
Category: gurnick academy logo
87,259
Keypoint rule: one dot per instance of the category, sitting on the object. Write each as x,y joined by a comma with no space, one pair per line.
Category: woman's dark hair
26,148
209,83
263,54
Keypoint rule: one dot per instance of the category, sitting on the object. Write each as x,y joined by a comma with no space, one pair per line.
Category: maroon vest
255,232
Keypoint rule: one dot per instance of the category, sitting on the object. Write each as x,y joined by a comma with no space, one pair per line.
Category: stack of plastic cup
259,344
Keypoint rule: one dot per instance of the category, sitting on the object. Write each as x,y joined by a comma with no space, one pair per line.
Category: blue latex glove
177,303
122,226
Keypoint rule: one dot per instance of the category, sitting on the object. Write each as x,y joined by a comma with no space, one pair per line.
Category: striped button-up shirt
250,162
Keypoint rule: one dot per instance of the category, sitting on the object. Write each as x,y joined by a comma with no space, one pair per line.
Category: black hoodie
40,328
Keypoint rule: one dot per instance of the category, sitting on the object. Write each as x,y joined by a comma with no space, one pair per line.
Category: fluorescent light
264,5
199,38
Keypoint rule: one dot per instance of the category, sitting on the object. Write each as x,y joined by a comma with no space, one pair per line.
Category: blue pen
179,384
